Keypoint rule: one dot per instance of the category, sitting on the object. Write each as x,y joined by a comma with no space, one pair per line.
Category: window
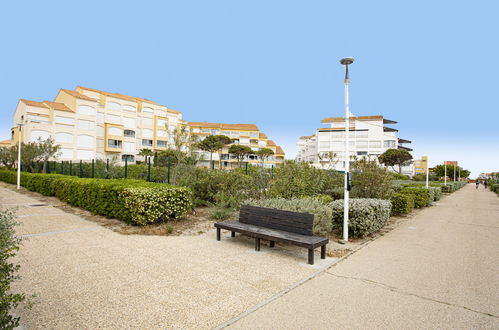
85,141
38,119
215,131
254,134
128,146
375,144
63,137
337,134
38,134
147,143
361,144
113,106
86,110
161,143
195,130
205,130
66,153
100,118
389,143
147,109
362,134
335,145
129,122
147,133
361,153
129,108
129,133
324,145
113,118
244,141
161,123
115,131
115,144
147,121
162,133
262,143
86,124
128,158
161,113
64,120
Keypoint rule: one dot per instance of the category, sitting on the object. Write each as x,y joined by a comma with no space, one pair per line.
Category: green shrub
421,196
366,215
322,213
437,192
134,201
402,203
220,213
9,245
494,187
324,199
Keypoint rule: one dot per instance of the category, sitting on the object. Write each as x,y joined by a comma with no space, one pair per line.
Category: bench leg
310,256
233,234
218,234
257,244
323,252
272,243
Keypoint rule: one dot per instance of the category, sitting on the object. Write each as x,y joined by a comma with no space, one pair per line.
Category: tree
439,171
264,154
214,143
240,152
180,143
8,156
393,157
31,152
329,157
146,153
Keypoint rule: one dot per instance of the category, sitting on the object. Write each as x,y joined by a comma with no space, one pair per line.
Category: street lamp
20,125
346,61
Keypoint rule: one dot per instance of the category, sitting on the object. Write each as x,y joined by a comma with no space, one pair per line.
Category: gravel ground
88,276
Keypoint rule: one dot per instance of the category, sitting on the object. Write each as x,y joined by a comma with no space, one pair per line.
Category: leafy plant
393,157
402,203
369,180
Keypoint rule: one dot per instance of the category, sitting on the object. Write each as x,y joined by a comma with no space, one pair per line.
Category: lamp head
346,60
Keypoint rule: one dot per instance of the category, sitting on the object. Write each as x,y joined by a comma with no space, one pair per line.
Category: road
439,269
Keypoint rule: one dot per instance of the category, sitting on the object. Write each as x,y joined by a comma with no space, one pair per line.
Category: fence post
93,169
169,170
126,167
81,169
149,169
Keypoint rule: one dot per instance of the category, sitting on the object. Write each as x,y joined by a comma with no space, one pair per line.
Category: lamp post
20,125
346,62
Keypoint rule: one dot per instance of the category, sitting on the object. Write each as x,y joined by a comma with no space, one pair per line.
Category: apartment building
368,136
420,165
93,124
243,134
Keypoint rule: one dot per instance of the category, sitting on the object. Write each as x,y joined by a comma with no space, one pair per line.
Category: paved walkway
437,270
86,276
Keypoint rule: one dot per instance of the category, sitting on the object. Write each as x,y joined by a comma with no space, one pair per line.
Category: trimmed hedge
402,203
322,213
437,192
133,201
421,196
366,215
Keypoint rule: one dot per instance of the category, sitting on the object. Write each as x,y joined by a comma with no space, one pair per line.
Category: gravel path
438,270
87,276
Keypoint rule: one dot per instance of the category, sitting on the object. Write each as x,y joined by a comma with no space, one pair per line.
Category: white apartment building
92,124
368,136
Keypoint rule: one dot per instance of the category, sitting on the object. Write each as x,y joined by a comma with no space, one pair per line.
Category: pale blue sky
430,65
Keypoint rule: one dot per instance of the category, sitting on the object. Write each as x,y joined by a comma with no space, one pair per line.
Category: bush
324,199
370,180
9,245
134,201
322,213
366,215
494,187
437,192
421,196
402,203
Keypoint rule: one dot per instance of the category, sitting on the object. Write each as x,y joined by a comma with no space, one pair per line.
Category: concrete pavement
440,270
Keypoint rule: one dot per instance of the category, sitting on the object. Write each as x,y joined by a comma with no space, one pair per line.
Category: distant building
451,163
368,137
420,165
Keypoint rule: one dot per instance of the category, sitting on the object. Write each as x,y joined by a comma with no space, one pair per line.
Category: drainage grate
38,204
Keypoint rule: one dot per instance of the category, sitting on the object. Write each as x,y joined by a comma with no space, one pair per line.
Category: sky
429,65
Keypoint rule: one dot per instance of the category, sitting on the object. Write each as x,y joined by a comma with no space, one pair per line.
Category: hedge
437,192
494,187
322,213
402,203
366,215
133,201
421,196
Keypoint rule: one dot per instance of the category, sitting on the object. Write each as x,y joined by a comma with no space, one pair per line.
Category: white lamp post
346,61
19,156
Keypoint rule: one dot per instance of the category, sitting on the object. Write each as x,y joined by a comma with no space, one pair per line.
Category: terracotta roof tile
246,127
78,95
119,96
34,103
58,106
263,135
279,150
271,143
6,142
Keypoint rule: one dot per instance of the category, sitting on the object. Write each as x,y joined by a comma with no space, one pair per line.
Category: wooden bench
276,226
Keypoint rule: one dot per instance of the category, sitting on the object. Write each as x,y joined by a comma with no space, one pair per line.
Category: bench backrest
293,222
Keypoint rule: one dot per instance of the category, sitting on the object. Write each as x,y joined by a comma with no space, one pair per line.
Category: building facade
93,124
368,136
